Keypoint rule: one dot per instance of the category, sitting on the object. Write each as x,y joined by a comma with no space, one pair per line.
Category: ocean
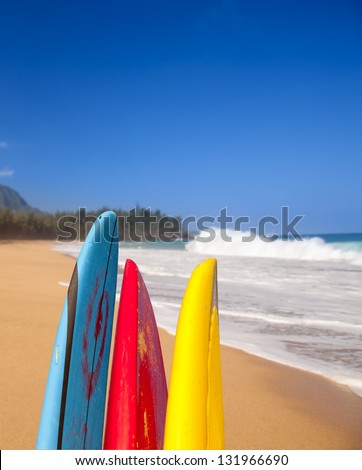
295,302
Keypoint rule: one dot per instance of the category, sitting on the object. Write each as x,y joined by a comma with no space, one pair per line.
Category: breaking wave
309,249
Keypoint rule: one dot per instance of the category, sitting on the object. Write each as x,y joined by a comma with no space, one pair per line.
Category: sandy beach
267,405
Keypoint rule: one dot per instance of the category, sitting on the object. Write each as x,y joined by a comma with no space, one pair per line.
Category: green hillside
11,199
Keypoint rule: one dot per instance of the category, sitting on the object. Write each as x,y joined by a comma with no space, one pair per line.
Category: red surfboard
138,390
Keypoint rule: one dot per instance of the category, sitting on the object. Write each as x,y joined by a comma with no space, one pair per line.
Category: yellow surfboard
195,416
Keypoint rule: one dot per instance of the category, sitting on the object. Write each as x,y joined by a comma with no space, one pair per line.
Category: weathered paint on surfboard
138,389
73,408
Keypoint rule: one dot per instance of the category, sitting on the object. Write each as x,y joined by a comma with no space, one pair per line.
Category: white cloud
4,144
6,172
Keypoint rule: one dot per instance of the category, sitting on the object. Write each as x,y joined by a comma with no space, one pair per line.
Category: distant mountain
11,199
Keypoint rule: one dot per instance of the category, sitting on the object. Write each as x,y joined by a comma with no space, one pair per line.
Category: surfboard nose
106,227
194,417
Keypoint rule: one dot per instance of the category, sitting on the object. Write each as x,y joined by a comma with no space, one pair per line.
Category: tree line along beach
289,322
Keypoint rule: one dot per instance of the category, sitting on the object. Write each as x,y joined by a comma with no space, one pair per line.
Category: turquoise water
298,303
342,241
313,247
158,245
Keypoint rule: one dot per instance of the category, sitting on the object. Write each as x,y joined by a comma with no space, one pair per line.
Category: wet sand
267,405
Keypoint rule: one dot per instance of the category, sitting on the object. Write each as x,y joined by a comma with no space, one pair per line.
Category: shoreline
279,362
282,407
258,316
267,405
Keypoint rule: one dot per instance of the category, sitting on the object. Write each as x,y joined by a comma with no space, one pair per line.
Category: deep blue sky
186,106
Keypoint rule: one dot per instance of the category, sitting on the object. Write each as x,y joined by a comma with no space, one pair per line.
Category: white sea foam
63,283
303,314
309,249
71,249
277,320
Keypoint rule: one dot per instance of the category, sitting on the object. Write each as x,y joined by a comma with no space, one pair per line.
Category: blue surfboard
74,401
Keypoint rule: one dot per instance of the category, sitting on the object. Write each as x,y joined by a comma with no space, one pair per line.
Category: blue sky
186,106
